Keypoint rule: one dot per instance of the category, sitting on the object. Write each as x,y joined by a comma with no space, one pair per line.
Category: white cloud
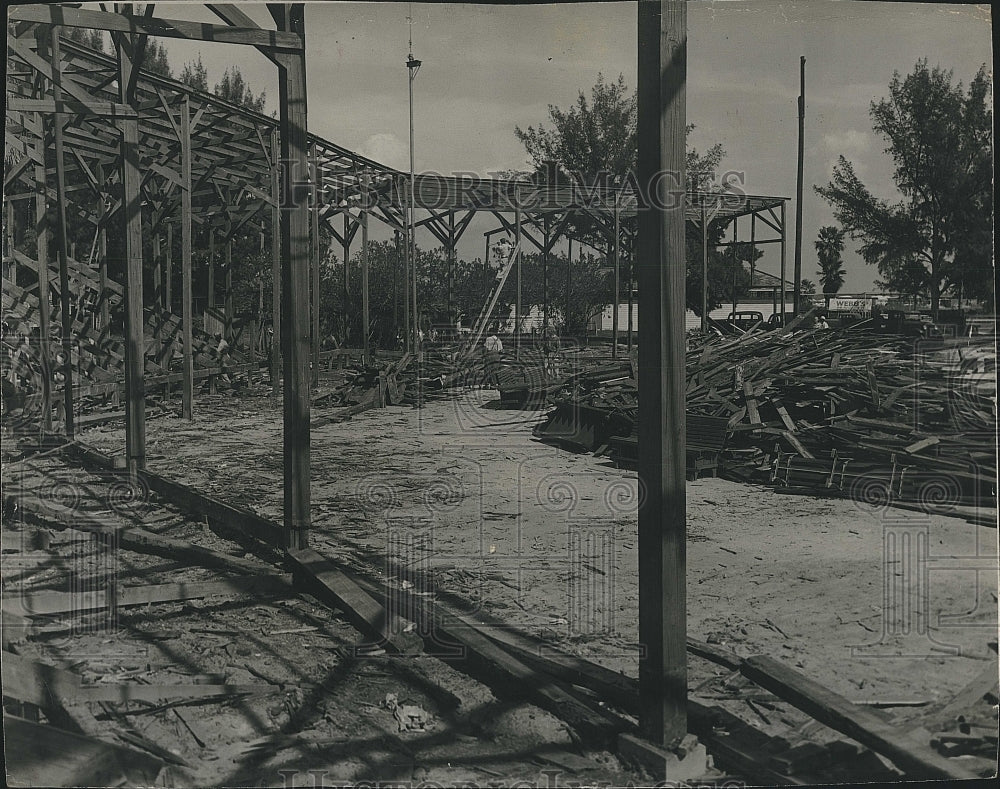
387,149
848,142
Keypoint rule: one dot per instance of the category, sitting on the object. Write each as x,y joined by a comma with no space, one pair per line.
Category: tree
195,75
94,39
234,88
939,235
808,287
155,59
829,247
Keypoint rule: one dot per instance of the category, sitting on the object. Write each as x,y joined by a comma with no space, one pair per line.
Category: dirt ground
876,604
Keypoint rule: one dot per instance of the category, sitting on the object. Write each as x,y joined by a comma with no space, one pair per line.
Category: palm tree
829,246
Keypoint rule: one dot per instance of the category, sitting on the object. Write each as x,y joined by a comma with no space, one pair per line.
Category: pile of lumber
875,417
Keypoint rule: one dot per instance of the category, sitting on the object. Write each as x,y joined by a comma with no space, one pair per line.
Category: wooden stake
662,43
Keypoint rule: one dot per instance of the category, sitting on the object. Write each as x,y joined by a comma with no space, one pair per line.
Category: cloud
387,149
848,142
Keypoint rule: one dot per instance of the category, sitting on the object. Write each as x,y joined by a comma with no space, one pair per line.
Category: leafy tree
808,287
829,247
94,39
155,59
939,235
236,89
195,75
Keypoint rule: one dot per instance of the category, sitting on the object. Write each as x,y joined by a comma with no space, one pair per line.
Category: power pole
797,297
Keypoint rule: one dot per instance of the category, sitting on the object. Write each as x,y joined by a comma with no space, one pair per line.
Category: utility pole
412,67
797,297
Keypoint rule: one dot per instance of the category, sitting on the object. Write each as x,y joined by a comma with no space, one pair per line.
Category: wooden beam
104,109
662,44
275,266
365,328
42,235
294,282
314,261
187,294
135,403
164,28
63,245
908,753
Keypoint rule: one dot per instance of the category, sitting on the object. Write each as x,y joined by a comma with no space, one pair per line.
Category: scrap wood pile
405,381
876,417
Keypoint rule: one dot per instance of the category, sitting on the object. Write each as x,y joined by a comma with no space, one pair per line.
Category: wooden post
347,275
545,270
395,289
569,285
168,296
797,285
753,247
736,259
228,296
662,70
631,295
783,260
451,267
63,245
102,252
616,250
517,262
314,267
704,268
135,403
157,272
295,280
211,265
42,232
187,293
365,328
275,265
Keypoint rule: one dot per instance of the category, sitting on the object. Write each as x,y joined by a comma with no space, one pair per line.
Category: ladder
484,317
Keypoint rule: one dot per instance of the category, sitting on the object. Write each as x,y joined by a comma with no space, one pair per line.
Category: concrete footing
685,761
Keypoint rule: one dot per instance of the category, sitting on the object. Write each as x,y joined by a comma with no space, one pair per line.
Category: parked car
777,320
745,319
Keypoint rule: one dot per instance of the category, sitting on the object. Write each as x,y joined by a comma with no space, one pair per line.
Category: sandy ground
876,604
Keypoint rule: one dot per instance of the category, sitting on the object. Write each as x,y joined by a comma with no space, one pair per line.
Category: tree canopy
829,248
938,237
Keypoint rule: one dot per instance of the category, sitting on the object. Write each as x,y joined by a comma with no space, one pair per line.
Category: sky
489,68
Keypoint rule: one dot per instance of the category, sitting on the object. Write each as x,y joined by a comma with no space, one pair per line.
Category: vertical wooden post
631,295
753,247
42,232
451,267
704,267
187,294
157,272
784,235
135,417
168,295
569,285
275,264
347,274
395,289
211,264
295,280
365,328
314,267
615,251
228,296
736,259
797,285
662,41
545,269
63,245
517,296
